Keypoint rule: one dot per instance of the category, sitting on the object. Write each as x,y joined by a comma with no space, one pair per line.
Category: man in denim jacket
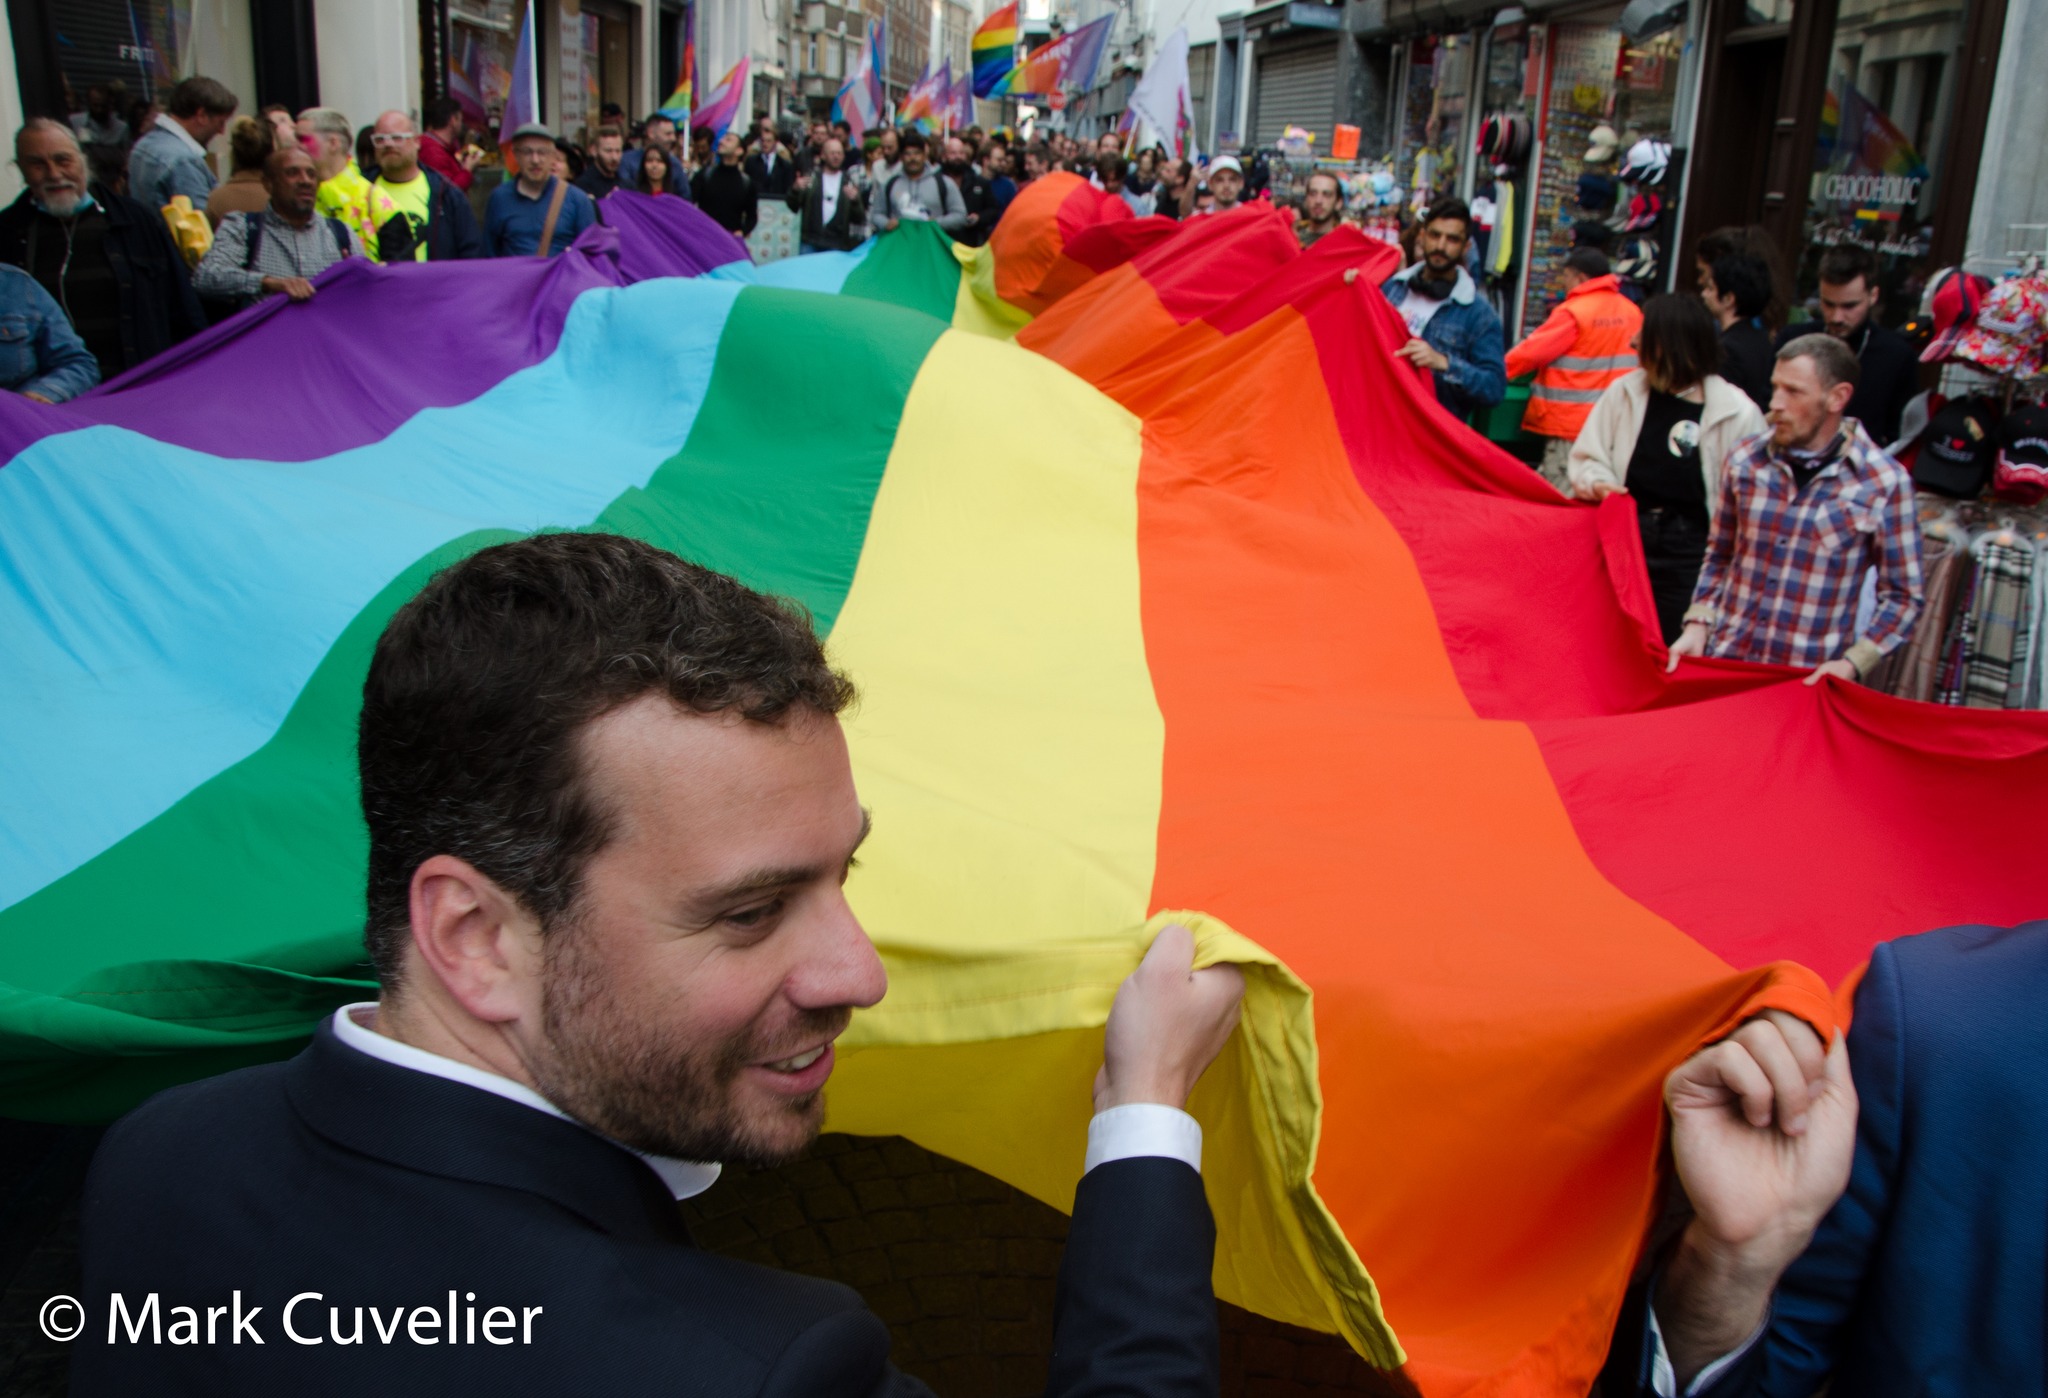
41,356
1452,332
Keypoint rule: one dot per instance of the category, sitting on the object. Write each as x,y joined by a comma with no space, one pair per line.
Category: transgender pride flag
861,100
722,103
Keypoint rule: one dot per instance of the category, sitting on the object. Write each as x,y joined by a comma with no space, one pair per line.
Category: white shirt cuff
1144,1128
1664,1379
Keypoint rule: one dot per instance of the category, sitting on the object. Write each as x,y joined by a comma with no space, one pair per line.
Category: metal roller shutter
1297,87
100,40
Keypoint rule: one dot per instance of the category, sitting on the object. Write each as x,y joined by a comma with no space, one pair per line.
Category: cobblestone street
963,1268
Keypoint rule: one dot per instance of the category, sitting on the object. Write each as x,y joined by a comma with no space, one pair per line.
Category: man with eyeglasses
432,221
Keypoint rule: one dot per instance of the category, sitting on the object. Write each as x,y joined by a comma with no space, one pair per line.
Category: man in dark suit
1894,1247
769,166
610,815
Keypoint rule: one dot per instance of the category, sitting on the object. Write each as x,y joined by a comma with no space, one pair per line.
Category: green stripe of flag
222,931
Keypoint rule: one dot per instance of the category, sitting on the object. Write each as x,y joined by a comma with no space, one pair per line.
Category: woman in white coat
1662,433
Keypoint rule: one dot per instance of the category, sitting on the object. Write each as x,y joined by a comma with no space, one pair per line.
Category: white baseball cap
1603,144
1225,162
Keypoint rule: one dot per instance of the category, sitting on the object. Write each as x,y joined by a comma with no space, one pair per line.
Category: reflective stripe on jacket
1576,354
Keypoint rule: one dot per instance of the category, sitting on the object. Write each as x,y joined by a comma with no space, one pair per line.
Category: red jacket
438,158
1576,354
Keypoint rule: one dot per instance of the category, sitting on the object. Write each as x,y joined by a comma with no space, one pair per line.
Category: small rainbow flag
1068,61
994,49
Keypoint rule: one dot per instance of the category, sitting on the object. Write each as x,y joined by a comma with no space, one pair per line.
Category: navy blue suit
380,1188
1930,1275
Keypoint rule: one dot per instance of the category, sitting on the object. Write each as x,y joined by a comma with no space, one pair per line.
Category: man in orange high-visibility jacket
1588,342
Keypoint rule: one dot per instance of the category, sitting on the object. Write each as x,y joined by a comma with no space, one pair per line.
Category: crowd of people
100,281
1763,489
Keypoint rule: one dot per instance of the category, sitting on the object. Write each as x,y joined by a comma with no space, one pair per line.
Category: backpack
255,248
889,193
219,308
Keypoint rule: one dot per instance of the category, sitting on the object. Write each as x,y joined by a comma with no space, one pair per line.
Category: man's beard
63,203
630,1082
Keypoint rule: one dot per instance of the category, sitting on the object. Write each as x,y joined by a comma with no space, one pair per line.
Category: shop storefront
1432,128
1295,74
1609,170
1874,137
1297,86
117,58
589,56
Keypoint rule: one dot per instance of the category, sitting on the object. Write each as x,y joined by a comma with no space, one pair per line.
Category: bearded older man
106,260
610,816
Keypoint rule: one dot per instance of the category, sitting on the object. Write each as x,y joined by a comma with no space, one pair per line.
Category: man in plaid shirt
1805,511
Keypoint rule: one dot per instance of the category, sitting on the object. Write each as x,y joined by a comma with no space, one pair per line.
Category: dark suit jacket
379,1187
770,186
1930,1276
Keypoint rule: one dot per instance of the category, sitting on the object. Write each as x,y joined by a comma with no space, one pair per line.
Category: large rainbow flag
1227,622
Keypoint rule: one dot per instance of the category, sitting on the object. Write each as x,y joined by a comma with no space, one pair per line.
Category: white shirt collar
685,1178
166,122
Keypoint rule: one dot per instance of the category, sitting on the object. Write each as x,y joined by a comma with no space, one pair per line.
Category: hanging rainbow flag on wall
1070,61
1245,631
994,49
722,103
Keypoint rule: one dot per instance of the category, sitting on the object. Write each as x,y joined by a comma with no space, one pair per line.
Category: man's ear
1839,396
477,941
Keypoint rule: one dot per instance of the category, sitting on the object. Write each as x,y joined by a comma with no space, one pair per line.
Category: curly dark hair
481,684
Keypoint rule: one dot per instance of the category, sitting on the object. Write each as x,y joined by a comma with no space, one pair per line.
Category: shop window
482,41
1601,85
1433,110
1756,12
117,57
1883,127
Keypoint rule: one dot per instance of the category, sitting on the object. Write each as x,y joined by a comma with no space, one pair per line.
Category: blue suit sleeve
65,368
1818,1293
1482,375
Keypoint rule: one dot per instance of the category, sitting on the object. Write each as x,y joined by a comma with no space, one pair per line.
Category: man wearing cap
1585,345
1806,511
1452,332
1890,370
1226,185
537,208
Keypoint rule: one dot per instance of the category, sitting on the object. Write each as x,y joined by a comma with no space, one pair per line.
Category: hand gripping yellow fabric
988,1056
